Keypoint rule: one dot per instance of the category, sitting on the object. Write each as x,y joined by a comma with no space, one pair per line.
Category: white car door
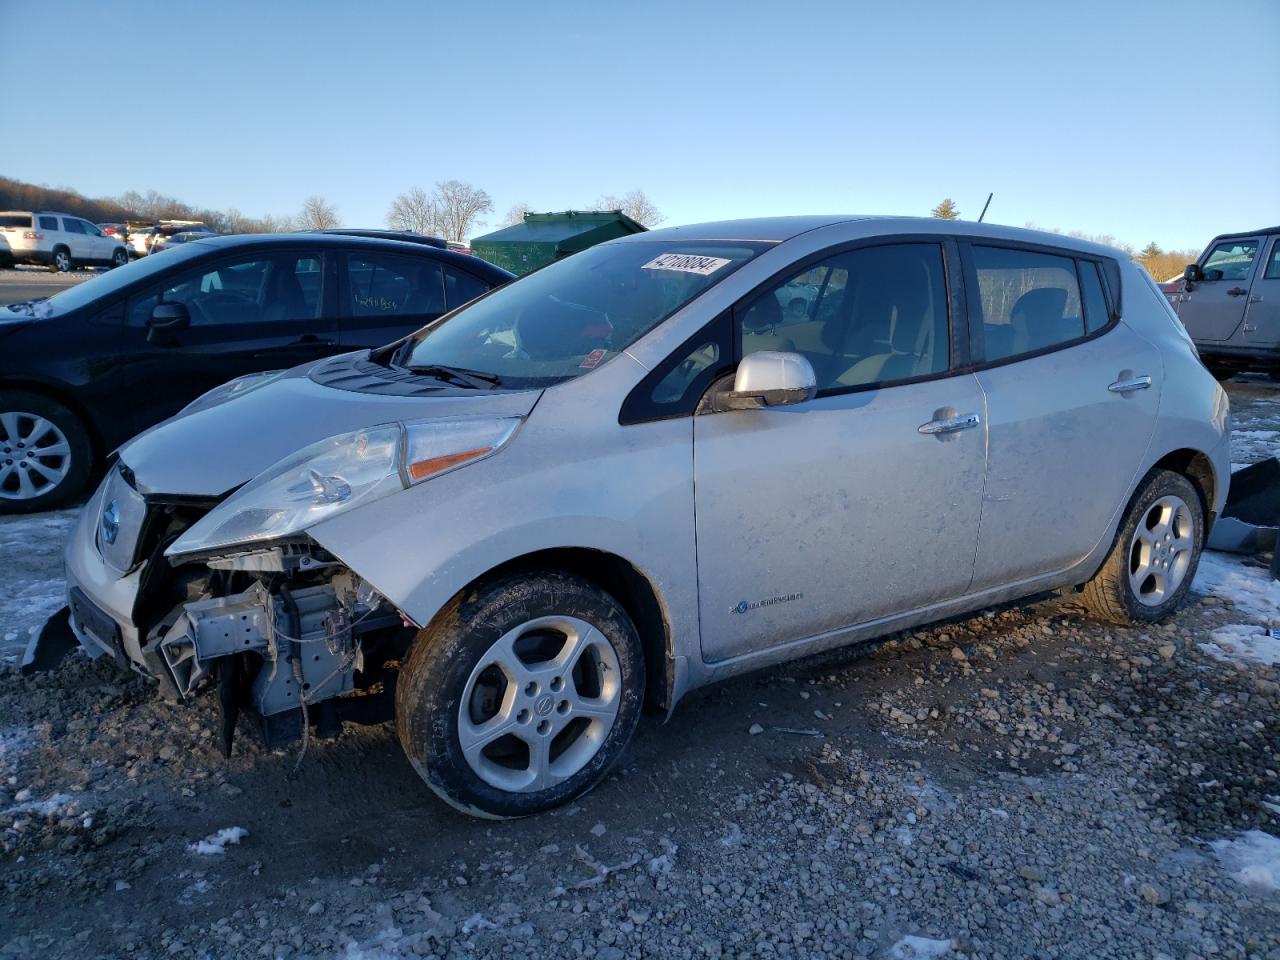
100,245
862,502
76,240
1071,396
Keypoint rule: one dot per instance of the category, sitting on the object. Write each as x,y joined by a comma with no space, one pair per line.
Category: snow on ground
217,843
1243,641
31,547
912,947
1253,858
1249,588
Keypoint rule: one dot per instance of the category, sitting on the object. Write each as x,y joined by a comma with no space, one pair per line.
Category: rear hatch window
20,221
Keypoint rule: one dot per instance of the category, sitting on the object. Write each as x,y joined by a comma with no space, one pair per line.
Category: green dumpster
545,237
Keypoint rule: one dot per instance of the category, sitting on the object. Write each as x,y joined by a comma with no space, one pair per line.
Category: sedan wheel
1155,554
45,454
521,694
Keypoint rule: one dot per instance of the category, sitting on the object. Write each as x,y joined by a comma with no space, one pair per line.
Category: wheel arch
1198,468
68,399
631,588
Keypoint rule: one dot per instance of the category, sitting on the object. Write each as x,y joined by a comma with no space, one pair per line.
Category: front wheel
46,457
521,694
120,258
1155,555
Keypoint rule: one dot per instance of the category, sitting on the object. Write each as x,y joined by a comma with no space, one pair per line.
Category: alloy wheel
1162,550
35,456
539,704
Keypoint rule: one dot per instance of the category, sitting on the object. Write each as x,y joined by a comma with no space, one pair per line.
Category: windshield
105,284
570,317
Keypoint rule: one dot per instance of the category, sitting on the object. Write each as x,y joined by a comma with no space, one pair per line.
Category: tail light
32,235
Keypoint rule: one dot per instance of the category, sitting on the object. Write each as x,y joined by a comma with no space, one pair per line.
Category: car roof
1244,233
780,229
466,262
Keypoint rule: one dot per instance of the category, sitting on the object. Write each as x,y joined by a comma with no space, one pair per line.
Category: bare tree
458,207
317,214
412,210
946,210
635,205
516,214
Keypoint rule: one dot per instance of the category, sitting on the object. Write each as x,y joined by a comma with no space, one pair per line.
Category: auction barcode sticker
686,263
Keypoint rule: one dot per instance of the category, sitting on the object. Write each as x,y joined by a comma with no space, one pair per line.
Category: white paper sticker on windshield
686,263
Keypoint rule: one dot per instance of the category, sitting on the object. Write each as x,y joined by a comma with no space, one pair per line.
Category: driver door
1215,307
261,311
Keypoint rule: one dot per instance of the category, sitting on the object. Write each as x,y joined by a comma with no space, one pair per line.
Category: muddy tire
521,694
1154,558
46,456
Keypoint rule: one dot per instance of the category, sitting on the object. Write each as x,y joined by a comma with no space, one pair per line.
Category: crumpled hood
211,451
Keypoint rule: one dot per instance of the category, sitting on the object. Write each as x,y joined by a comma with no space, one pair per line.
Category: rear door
1215,308
249,313
1262,313
385,296
1071,399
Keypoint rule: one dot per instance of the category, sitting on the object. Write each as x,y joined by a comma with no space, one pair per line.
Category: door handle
310,339
1237,292
1130,384
948,425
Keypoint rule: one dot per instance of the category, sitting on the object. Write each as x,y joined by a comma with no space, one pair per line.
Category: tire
53,471
1120,592
1223,373
61,262
120,258
527,621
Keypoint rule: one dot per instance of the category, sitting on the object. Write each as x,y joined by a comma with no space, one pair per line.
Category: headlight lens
334,475
232,388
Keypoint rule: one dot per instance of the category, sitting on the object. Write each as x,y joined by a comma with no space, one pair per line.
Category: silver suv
58,241
1229,301
658,463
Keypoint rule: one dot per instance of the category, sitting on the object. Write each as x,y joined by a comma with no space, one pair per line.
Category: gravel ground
1022,783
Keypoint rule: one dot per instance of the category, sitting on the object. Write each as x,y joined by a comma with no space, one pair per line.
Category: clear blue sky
1155,120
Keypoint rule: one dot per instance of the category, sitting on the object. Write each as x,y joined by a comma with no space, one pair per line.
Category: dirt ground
1022,783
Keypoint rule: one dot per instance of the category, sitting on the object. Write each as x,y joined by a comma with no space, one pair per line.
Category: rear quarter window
15,220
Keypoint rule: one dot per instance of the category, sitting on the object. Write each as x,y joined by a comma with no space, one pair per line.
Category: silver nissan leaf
661,462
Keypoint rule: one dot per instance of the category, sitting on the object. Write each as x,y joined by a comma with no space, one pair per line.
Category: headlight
334,475
232,388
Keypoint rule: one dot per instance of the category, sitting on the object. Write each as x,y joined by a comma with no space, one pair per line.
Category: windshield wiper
458,375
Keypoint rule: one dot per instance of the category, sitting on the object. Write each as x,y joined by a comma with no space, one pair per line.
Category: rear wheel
1155,555
45,454
61,262
1221,373
521,694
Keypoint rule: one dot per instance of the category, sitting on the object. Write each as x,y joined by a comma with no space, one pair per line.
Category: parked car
164,241
409,236
86,369
1229,301
59,241
622,477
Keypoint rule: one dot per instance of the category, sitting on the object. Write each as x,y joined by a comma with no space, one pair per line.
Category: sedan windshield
570,317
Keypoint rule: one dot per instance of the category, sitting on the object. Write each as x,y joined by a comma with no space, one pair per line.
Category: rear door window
382,285
48,223
1027,301
1230,260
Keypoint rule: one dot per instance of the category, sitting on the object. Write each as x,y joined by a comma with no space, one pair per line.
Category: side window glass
247,292
672,388
874,315
1230,260
1096,315
1273,265
1028,301
89,228
394,286
48,223
677,384
461,287
72,226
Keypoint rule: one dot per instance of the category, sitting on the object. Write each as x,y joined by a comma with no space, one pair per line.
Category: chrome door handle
1130,384
949,424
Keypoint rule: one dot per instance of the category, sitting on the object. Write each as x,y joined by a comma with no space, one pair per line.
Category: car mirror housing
169,316
1192,273
771,379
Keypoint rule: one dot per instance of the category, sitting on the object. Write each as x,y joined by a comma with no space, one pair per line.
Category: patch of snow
217,842
1253,858
1253,445
389,944
912,947
1249,588
1243,641
477,922
45,808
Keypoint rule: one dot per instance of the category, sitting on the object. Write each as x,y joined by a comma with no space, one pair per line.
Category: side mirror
771,379
169,317
1192,273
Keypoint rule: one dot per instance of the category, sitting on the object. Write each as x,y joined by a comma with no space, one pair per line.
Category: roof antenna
985,205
